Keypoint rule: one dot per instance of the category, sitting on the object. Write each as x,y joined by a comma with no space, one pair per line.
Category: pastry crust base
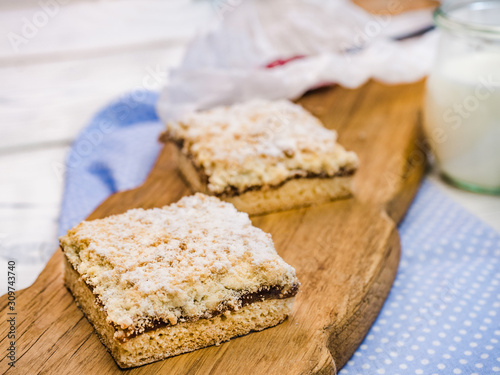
168,341
295,193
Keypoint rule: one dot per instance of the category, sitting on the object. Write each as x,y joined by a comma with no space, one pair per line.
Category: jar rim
443,17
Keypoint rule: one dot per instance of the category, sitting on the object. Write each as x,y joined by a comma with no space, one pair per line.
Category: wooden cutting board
346,255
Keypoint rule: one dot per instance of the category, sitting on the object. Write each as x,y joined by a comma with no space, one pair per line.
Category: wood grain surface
346,255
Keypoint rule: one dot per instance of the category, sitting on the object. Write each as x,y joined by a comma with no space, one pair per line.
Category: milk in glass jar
462,107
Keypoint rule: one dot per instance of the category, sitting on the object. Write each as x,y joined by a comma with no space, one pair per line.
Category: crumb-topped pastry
164,281
262,156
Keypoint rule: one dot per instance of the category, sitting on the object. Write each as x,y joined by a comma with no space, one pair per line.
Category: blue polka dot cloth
442,315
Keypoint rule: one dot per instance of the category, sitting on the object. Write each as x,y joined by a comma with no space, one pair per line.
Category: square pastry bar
156,283
262,156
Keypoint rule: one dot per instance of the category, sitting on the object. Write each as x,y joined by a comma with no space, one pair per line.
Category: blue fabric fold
114,152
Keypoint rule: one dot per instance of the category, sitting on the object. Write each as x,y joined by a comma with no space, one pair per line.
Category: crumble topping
180,262
259,143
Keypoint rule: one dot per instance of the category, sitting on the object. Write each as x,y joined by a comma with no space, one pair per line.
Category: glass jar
462,106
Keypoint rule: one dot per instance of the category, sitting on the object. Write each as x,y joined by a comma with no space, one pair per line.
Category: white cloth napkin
337,42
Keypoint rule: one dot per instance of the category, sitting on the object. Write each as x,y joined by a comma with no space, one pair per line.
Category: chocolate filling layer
273,292
233,191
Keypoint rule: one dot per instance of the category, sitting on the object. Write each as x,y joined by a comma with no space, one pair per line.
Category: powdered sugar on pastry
259,143
180,262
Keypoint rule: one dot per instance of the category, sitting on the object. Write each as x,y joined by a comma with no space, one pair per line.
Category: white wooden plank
26,273
30,196
28,235
32,178
65,27
51,102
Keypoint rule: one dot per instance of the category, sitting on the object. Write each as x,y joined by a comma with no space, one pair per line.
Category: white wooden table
58,66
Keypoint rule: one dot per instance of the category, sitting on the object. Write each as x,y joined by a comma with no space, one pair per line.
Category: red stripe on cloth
280,62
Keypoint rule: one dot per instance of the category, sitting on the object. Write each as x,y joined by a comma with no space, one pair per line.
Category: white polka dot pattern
442,315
